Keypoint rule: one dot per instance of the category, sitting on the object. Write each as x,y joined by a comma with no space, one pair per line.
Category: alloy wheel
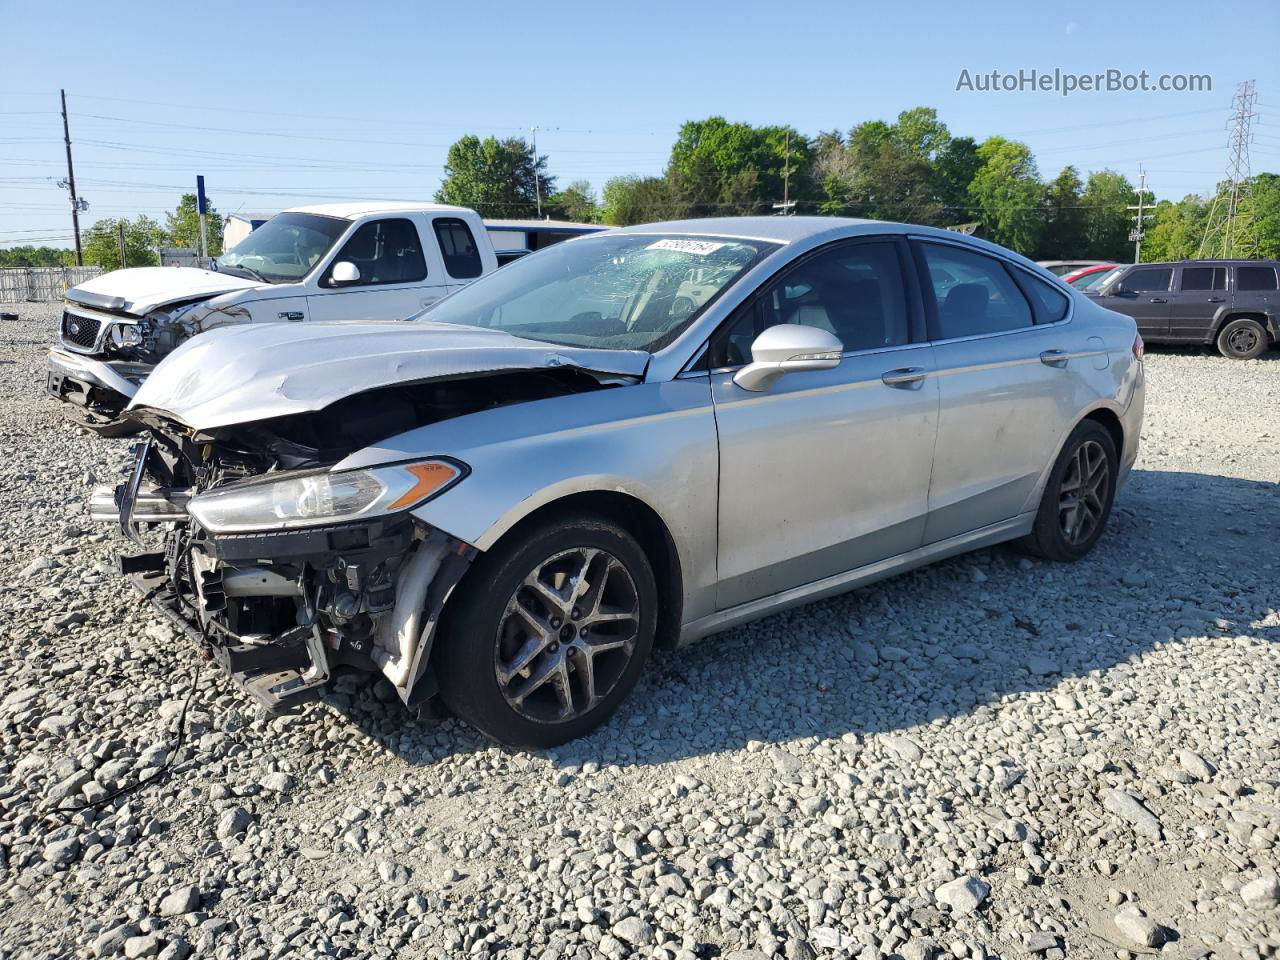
1243,340
1082,495
567,634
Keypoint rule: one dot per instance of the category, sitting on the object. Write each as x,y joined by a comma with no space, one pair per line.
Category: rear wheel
550,633
1242,339
1077,499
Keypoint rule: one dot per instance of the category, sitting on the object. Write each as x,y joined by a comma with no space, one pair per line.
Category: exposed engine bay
280,607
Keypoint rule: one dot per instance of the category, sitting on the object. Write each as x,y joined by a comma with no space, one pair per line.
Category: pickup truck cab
1233,304
341,261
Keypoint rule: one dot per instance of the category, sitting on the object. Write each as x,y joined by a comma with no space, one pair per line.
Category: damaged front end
275,580
283,568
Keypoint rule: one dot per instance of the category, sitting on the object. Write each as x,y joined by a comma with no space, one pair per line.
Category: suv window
1048,303
1255,278
461,257
1148,280
384,251
853,290
1204,278
974,293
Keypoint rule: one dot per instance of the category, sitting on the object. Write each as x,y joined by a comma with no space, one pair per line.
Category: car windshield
619,291
285,248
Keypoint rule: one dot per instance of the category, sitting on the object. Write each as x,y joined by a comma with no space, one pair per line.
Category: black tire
1242,339
1059,533
485,634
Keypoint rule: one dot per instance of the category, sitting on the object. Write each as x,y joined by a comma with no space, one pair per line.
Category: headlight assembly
126,334
320,497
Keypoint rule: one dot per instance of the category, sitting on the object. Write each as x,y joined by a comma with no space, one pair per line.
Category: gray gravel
991,757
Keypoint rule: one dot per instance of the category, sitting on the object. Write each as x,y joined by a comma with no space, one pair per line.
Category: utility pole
124,257
1140,219
786,206
71,182
1232,231
202,209
537,184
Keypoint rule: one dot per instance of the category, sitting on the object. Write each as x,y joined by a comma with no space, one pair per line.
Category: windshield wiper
253,274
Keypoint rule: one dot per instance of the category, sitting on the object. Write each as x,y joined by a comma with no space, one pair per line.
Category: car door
1194,302
397,278
825,471
458,251
1142,293
1255,289
1004,383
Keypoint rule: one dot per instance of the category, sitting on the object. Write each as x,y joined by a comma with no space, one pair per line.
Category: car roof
356,210
1215,263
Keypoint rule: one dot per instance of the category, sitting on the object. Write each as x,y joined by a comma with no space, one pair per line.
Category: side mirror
788,348
1116,290
344,272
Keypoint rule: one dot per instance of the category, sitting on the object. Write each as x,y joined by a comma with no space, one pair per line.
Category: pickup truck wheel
550,633
1242,339
1077,499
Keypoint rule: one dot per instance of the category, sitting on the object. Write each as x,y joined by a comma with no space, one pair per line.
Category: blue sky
278,104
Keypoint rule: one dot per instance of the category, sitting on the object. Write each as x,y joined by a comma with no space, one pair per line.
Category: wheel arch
1113,424
640,520
1268,323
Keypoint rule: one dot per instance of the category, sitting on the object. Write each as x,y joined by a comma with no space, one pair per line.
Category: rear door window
1255,278
974,293
458,247
1204,278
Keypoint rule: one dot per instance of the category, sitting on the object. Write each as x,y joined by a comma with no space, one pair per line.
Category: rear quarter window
1255,278
1048,303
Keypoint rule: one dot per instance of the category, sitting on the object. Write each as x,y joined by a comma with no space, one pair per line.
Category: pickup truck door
1144,295
1197,296
400,273
458,251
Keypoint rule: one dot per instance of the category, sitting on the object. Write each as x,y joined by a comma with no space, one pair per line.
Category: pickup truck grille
80,331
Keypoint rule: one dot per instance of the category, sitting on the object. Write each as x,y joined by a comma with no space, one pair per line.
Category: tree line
912,169
143,236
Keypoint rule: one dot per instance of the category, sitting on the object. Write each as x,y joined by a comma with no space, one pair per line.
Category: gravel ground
990,757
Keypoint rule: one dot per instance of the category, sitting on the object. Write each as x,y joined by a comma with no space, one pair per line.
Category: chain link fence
42,283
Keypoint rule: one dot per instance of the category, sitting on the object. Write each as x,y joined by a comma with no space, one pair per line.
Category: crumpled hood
143,289
241,374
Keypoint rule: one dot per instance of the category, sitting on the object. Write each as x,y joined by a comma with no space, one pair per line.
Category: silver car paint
241,374
687,446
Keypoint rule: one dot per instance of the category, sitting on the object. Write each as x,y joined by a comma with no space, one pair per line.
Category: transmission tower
1231,231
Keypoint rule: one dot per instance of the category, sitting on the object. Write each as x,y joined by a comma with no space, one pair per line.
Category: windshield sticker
700,247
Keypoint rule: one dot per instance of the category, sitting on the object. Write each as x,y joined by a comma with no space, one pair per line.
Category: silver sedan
636,438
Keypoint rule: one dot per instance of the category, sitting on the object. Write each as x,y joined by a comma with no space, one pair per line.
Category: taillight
1138,346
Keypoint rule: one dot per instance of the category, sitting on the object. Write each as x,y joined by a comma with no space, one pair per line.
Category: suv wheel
550,633
1077,499
1242,339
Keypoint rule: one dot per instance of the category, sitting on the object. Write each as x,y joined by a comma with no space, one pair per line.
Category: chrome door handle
1213,300
907,377
1158,300
1054,358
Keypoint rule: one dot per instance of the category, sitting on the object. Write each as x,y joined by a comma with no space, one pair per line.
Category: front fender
655,442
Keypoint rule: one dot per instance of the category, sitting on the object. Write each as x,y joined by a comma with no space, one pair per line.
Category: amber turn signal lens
428,478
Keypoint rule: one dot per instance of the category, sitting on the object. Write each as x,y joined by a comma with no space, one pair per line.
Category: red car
1086,277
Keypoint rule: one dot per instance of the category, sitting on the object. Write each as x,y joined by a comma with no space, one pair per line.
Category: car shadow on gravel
1185,555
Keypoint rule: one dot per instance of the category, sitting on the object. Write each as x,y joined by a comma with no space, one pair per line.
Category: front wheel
1242,339
1078,496
550,633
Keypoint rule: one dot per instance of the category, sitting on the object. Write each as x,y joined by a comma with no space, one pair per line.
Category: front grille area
81,331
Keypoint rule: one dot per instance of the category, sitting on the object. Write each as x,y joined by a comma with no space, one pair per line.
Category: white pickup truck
341,261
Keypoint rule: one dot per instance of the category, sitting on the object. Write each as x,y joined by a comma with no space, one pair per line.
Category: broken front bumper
98,389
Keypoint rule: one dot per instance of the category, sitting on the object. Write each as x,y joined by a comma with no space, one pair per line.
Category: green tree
1176,231
183,226
1065,228
577,203
1009,195
141,235
1264,203
496,178
28,256
1106,196
722,167
955,167
629,200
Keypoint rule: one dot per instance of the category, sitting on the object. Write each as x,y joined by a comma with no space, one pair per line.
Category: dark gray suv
1234,304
